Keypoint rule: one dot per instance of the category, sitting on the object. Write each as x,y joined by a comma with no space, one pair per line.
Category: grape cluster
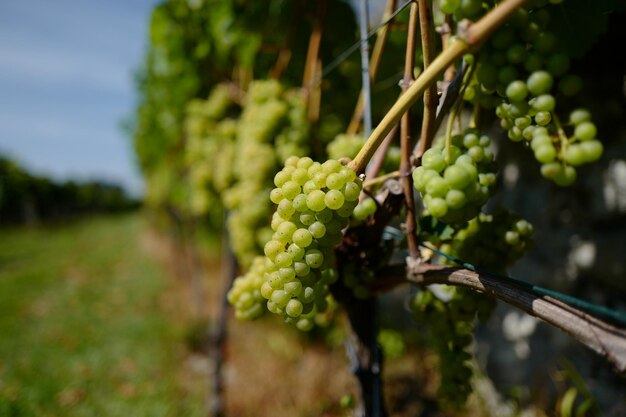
491,241
344,146
450,320
560,154
314,202
520,71
272,126
208,133
455,181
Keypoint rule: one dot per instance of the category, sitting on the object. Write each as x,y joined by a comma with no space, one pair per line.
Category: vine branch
405,138
430,95
604,338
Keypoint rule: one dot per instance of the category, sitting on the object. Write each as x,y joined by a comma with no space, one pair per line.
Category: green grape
585,131
364,209
545,153
539,82
317,230
565,177
593,150
543,118
543,103
575,155
316,200
449,6
437,207
578,116
517,90
334,199
302,238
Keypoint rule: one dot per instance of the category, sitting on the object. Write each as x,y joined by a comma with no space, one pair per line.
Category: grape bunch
344,146
456,180
450,320
521,72
491,241
208,133
272,126
559,154
314,202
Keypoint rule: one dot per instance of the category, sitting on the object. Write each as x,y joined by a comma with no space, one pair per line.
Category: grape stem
405,137
559,130
431,100
381,179
472,37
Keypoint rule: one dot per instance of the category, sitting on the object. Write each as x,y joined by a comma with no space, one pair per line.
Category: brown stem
315,40
378,160
430,95
405,138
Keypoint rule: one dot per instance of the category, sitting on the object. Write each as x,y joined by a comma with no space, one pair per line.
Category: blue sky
66,83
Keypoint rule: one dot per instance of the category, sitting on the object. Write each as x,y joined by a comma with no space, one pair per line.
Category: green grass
82,328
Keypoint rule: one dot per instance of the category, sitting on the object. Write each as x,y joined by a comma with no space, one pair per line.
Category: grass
83,331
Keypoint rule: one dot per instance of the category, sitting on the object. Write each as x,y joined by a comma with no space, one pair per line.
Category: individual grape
302,238
449,6
551,170
565,177
545,153
276,195
437,187
437,207
578,116
334,199
517,90
317,230
351,191
294,308
543,118
585,131
364,209
335,181
543,103
539,82
273,248
593,150
290,189
316,200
